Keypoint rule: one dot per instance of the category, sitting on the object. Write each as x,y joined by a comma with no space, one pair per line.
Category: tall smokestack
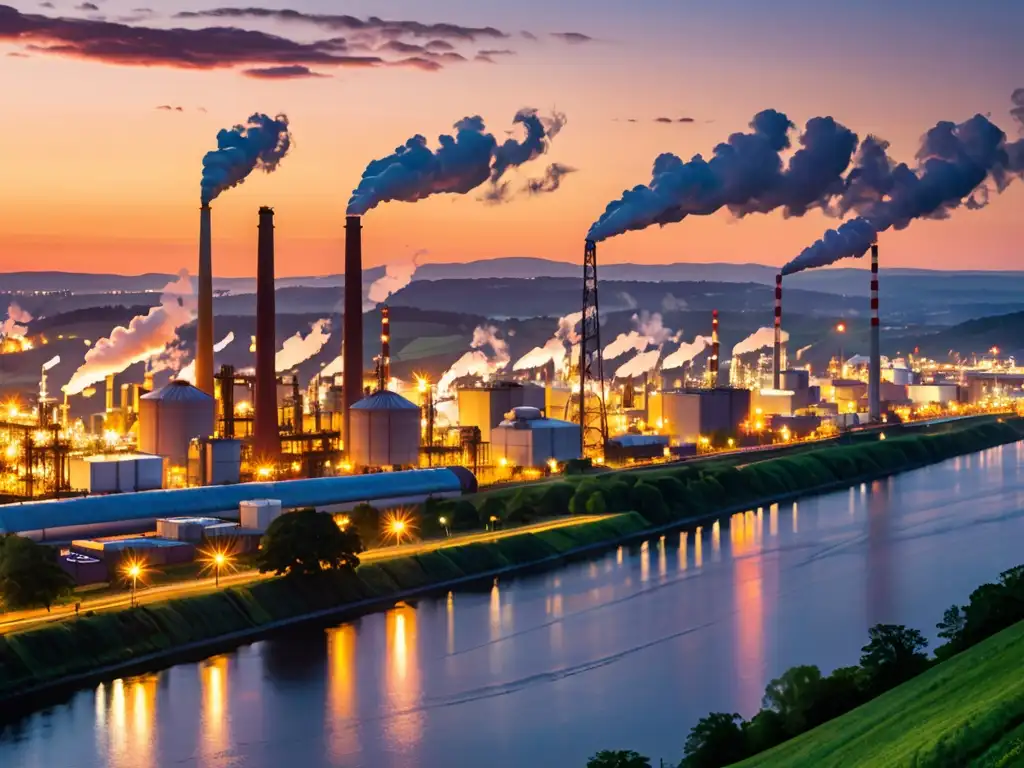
266,437
110,393
384,370
777,357
352,344
875,369
204,328
713,365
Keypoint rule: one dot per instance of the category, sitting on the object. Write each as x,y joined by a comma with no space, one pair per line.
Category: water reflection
124,734
295,657
215,719
748,597
880,600
342,737
402,678
645,562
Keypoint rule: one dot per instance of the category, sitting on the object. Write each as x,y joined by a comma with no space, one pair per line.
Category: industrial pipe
713,363
777,349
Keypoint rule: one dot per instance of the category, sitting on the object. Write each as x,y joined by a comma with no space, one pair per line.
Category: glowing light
111,438
553,465
422,382
881,436
502,462
342,521
841,328
731,442
398,525
242,407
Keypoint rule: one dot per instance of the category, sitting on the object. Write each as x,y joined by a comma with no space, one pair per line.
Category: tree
30,575
715,740
618,759
952,624
493,506
464,516
554,502
840,692
647,500
794,697
366,522
578,503
306,543
596,504
893,655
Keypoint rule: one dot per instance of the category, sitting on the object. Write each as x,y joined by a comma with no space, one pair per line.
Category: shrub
596,504
647,500
555,500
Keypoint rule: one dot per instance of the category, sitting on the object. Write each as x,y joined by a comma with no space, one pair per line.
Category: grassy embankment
94,646
966,711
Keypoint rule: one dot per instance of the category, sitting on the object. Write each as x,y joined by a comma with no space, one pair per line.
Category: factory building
385,432
686,415
170,418
116,473
526,439
485,407
931,394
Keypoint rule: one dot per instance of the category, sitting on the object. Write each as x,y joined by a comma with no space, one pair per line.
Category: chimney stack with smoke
266,438
204,328
713,363
777,356
875,370
352,344
110,394
384,369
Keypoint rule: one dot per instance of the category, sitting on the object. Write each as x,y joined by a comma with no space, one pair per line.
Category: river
624,651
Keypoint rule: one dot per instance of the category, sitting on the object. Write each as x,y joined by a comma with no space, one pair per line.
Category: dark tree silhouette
30,575
618,759
893,655
307,542
715,740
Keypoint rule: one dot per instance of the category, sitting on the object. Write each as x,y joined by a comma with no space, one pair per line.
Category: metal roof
385,401
538,424
211,501
178,390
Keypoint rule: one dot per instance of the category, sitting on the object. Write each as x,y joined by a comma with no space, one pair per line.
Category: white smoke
633,341
299,348
145,337
395,278
560,348
800,352
671,304
759,339
476,362
334,368
686,353
188,373
639,365
14,326
650,331
51,362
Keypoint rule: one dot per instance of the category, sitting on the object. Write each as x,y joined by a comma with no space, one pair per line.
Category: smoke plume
461,163
957,165
477,362
686,353
299,348
639,365
395,278
15,326
550,181
800,352
334,368
759,339
557,349
625,343
188,373
650,331
145,337
55,360
261,143
745,174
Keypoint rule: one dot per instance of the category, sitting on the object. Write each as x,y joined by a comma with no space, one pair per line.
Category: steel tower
593,417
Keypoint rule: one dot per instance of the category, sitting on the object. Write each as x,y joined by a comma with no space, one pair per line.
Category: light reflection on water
623,651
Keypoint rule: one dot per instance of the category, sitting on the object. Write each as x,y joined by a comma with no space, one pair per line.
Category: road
21,620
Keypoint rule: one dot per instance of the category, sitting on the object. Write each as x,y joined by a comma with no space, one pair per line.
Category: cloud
287,72
498,52
663,119
169,108
208,48
484,58
373,25
573,38
87,7
439,46
550,181
686,120
1018,105
46,4
18,55
669,120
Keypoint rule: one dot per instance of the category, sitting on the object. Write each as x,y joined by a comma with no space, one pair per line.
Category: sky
97,178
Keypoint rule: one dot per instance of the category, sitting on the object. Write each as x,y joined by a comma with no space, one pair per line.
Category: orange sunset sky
97,179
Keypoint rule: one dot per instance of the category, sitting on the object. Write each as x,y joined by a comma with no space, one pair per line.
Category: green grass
966,711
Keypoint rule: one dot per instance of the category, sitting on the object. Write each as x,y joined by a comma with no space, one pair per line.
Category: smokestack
204,329
875,369
266,437
777,362
110,393
384,370
352,344
713,363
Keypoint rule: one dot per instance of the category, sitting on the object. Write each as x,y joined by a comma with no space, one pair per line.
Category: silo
385,432
170,417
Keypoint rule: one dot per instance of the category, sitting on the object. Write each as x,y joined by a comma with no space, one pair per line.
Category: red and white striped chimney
713,363
777,350
266,436
875,364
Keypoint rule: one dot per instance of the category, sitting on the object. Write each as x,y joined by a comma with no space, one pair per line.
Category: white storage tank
171,417
527,439
385,432
116,473
258,514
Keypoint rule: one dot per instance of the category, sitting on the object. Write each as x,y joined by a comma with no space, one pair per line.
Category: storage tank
171,417
385,432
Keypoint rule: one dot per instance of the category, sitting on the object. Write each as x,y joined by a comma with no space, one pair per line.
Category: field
967,711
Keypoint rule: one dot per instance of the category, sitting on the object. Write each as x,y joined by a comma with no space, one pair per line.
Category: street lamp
218,560
444,524
132,571
841,329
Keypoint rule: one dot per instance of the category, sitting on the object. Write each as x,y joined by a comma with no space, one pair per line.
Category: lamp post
841,329
218,560
133,573
444,524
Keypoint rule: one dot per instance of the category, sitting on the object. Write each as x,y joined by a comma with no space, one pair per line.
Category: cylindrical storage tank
795,380
171,417
385,432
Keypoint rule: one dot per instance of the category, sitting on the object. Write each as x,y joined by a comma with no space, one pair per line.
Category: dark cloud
528,35
484,58
87,7
46,4
417,62
686,120
338,22
676,120
498,52
169,108
18,55
663,120
573,38
550,181
208,48
397,46
439,46
1018,105
288,72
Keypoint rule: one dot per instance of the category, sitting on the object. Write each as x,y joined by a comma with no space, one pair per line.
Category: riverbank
968,710
95,647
